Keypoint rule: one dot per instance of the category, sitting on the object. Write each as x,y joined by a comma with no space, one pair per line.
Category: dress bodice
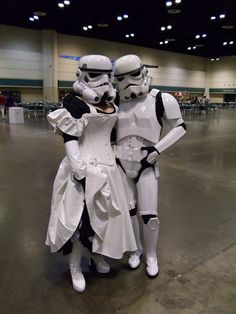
94,142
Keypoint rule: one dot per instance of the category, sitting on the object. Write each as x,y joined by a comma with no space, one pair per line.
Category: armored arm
173,117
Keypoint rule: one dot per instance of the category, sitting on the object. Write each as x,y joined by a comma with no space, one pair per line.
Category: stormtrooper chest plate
138,118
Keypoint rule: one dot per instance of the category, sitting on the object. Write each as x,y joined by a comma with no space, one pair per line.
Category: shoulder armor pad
171,106
154,92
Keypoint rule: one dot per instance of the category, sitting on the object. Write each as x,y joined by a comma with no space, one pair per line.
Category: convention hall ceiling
202,28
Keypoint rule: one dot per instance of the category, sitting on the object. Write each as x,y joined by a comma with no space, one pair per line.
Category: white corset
95,141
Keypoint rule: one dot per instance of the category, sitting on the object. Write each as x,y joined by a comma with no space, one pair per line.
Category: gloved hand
152,155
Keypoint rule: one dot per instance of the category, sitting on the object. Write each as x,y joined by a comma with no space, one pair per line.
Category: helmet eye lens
120,78
137,73
93,74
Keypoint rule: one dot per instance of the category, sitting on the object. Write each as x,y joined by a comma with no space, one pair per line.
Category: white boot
102,266
135,257
75,269
150,234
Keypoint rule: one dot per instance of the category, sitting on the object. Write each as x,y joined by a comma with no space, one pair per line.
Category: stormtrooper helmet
131,77
94,79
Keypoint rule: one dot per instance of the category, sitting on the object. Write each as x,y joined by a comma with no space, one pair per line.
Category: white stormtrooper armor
93,79
139,145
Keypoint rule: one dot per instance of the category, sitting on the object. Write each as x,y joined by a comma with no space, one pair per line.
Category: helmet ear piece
78,73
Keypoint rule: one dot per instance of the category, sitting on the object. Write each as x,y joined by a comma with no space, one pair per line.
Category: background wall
22,64
174,69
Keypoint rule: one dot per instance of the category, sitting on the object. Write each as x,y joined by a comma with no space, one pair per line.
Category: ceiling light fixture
227,26
174,11
129,35
125,16
119,18
61,5
169,3
177,1
36,17
40,13
213,17
163,28
85,28
67,2
103,25
222,16
31,19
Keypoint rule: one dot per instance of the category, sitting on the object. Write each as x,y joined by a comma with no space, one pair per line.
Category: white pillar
207,81
49,54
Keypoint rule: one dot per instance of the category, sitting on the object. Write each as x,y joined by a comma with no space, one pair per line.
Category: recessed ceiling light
132,34
194,47
224,43
169,27
222,16
119,18
61,5
66,2
227,26
174,11
204,35
161,43
85,28
213,17
166,41
102,24
31,19
90,27
189,48
231,42
36,17
125,16
40,13
177,1
197,36
127,35
163,28
169,3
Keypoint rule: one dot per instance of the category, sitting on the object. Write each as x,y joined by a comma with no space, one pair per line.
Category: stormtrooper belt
127,153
